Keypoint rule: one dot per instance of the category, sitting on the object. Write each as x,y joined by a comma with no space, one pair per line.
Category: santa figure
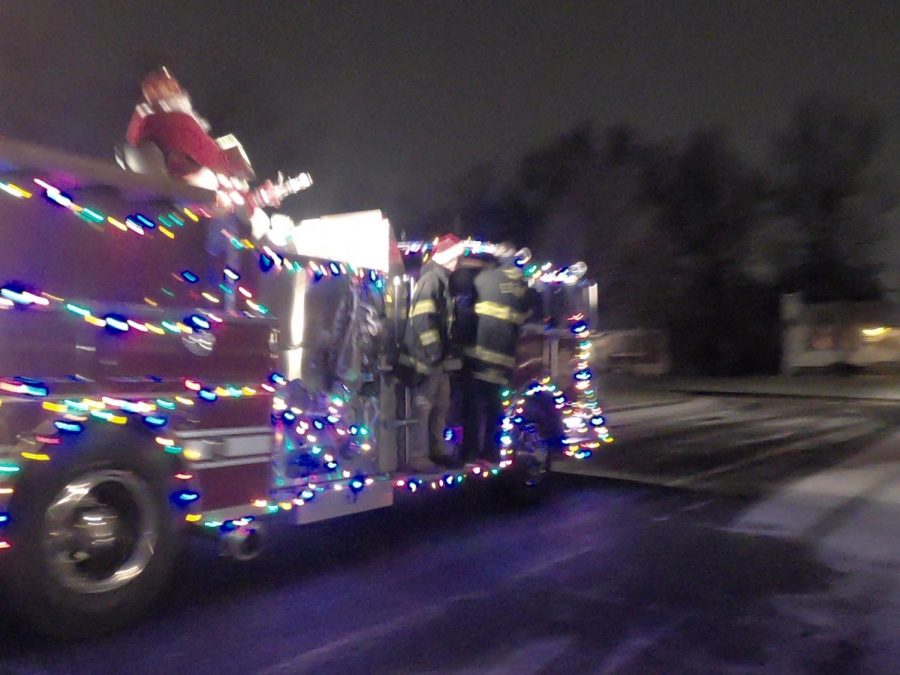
167,135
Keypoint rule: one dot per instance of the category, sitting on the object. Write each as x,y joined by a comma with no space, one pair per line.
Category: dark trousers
482,410
431,401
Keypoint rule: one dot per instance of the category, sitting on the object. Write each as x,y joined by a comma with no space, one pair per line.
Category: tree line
688,236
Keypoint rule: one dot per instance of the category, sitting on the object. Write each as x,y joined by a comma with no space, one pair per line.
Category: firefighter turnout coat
464,331
501,307
426,344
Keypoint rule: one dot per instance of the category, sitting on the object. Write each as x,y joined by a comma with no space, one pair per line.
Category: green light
9,468
75,309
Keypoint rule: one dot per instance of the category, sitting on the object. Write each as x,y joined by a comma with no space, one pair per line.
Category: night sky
387,102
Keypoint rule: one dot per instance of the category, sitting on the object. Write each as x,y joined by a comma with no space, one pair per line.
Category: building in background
839,335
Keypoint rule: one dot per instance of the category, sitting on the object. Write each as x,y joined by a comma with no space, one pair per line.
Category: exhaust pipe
243,544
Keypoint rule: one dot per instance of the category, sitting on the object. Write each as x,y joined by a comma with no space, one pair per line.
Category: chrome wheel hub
100,531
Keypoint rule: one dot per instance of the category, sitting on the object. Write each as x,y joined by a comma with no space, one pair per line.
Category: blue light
198,321
231,274
226,289
59,198
186,496
597,421
155,421
333,419
116,323
68,427
145,221
265,262
318,424
21,296
4,519
307,495
289,416
277,378
207,395
331,466
33,387
335,270
583,375
190,277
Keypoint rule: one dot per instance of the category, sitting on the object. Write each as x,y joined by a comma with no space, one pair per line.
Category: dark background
387,103
703,158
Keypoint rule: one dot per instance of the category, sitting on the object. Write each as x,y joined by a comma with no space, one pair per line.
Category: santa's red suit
185,144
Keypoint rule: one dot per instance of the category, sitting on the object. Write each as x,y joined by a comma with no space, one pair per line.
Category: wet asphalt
611,573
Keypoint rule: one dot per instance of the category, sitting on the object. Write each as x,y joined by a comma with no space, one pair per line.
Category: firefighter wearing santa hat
427,357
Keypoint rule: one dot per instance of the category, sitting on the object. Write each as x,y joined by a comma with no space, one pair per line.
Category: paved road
737,445
769,554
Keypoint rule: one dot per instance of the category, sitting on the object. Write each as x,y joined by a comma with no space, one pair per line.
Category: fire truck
164,374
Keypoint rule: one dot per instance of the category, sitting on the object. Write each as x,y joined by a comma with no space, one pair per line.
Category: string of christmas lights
137,223
14,296
76,414
545,272
584,425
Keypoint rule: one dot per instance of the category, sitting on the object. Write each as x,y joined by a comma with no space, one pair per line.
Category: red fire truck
158,365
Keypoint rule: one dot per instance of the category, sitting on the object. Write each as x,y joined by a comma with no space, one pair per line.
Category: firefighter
501,307
462,288
427,357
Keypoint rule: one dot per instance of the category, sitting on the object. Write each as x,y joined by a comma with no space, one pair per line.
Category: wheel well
45,459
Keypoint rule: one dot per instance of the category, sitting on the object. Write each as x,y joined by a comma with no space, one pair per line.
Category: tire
94,539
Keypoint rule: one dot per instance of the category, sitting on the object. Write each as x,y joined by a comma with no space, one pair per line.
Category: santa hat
447,248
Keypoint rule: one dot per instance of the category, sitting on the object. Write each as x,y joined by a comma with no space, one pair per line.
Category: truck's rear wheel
94,545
